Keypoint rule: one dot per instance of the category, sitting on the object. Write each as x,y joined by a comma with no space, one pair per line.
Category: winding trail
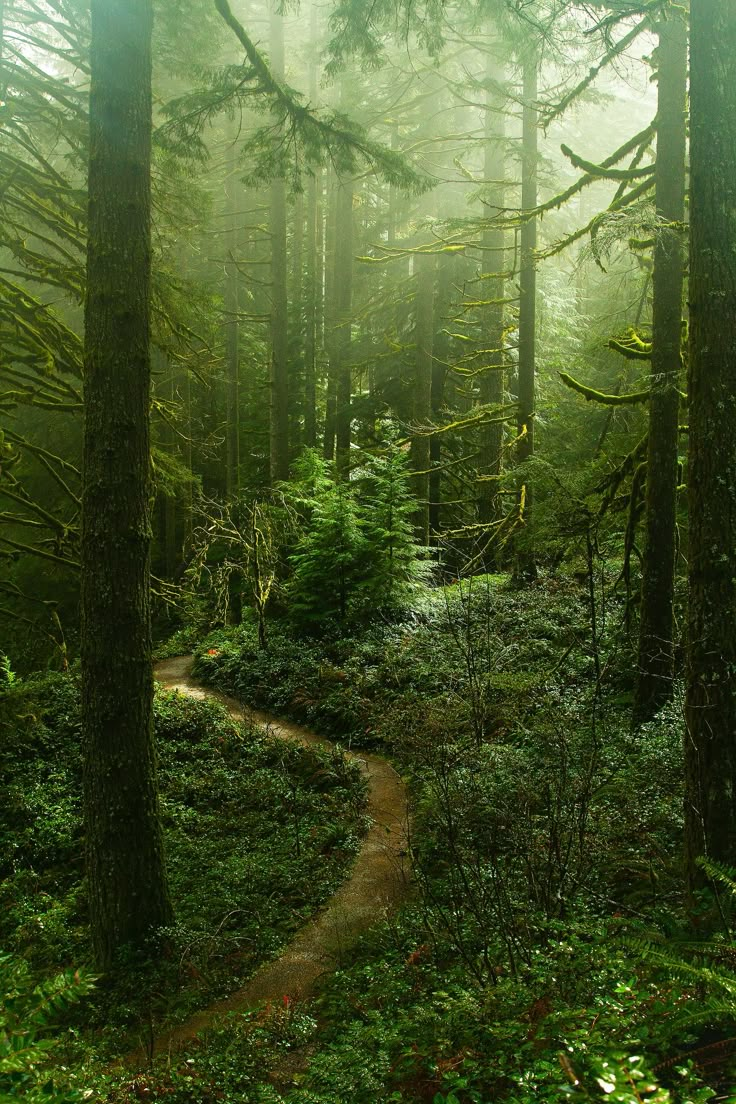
377,883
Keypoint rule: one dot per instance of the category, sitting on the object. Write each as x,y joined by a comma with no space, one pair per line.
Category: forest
368,551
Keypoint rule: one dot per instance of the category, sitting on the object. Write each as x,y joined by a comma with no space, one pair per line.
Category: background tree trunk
656,627
525,568
492,291
343,290
330,318
440,356
312,268
423,336
279,432
128,897
232,343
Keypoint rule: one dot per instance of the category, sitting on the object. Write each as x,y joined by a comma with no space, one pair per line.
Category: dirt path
377,883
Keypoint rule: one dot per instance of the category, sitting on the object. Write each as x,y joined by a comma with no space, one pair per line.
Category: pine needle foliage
356,557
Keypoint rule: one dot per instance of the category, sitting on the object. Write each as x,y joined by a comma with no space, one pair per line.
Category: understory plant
28,1011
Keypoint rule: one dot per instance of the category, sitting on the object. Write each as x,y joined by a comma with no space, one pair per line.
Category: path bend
376,885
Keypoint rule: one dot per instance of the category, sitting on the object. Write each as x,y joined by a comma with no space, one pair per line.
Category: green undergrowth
258,832
580,1020
478,651
546,852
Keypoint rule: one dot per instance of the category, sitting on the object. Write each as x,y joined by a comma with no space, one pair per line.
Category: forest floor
377,884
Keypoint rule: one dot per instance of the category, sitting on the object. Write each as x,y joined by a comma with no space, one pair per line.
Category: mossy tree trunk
312,274
492,291
525,567
279,420
440,357
656,629
313,266
128,896
341,341
296,327
330,317
171,526
232,340
710,802
425,265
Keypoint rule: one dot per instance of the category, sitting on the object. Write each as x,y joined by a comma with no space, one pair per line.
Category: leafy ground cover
258,833
547,842
544,956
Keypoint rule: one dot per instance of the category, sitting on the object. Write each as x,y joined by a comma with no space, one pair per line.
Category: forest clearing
368,551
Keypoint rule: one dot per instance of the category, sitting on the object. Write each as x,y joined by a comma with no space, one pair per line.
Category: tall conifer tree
656,643
128,895
710,801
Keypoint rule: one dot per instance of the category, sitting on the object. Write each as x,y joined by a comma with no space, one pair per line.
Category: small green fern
27,1012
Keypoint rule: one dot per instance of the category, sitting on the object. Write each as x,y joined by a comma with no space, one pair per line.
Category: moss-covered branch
639,142
596,222
604,171
591,395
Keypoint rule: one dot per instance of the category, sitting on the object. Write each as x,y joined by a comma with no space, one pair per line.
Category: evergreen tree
710,805
656,631
327,562
393,561
526,568
128,896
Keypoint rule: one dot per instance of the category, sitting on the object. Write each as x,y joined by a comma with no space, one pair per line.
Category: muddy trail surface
376,885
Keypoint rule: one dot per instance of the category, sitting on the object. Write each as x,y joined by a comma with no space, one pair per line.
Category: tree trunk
525,568
279,431
313,266
310,317
656,629
343,290
492,291
188,461
710,805
296,324
423,338
232,345
170,508
330,318
440,353
128,896
3,74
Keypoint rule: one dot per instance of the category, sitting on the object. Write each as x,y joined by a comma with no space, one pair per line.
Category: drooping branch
316,132
555,111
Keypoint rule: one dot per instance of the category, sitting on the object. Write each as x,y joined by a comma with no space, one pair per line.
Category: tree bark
710,801
656,627
526,568
492,291
424,337
440,356
343,290
232,346
128,896
279,423
170,505
296,324
330,318
312,268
